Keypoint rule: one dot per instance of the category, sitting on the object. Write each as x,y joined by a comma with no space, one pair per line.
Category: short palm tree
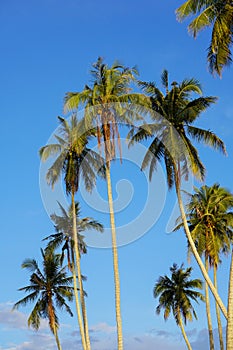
172,118
74,160
176,294
215,13
210,223
48,287
107,104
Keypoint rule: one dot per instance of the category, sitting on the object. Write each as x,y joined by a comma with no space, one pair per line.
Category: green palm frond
203,20
49,150
35,316
186,9
217,14
190,86
207,137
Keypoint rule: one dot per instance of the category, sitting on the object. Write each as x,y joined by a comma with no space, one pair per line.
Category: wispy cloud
103,336
103,327
37,341
16,319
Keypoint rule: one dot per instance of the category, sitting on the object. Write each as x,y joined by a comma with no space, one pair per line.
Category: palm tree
176,295
210,224
63,237
74,160
215,13
64,231
48,288
105,108
172,117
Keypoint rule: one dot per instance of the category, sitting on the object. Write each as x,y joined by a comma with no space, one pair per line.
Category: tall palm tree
104,103
210,223
74,160
176,295
171,127
48,287
219,15
64,237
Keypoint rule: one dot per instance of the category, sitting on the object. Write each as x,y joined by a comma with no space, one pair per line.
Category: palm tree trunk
193,247
77,256
207,302
115,260
57,339
184,333
80,322
52,324
218,312
229,340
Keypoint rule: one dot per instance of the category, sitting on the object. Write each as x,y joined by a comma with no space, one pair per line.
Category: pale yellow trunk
207,301
77,258
195,252
80,322
230,310
115,261
184,333
220,334
57,339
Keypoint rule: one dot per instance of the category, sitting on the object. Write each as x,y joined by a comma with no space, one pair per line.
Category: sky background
47,48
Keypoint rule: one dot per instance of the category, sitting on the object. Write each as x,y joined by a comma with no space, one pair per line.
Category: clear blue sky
47,48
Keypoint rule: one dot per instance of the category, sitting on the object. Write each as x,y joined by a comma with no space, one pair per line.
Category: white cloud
37,341
103,336
15,319
103,327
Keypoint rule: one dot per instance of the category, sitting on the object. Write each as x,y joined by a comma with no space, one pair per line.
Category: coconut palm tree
107,104
217,14
176,294
64,231
48,287
210,223
74,160
63,237
171,127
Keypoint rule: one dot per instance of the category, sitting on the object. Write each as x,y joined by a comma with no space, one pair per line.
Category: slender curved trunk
184,333
229,340
220,334
115,260
207,302
80,321
193,247
52,324
57,339
77,258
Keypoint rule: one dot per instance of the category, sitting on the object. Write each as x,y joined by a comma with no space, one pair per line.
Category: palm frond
207,137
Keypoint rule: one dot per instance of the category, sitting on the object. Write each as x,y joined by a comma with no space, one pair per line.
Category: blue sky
47,48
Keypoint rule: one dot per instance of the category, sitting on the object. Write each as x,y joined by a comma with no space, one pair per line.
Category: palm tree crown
211,221
74,158
176,293
172,126
64,230
107,102
49,288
